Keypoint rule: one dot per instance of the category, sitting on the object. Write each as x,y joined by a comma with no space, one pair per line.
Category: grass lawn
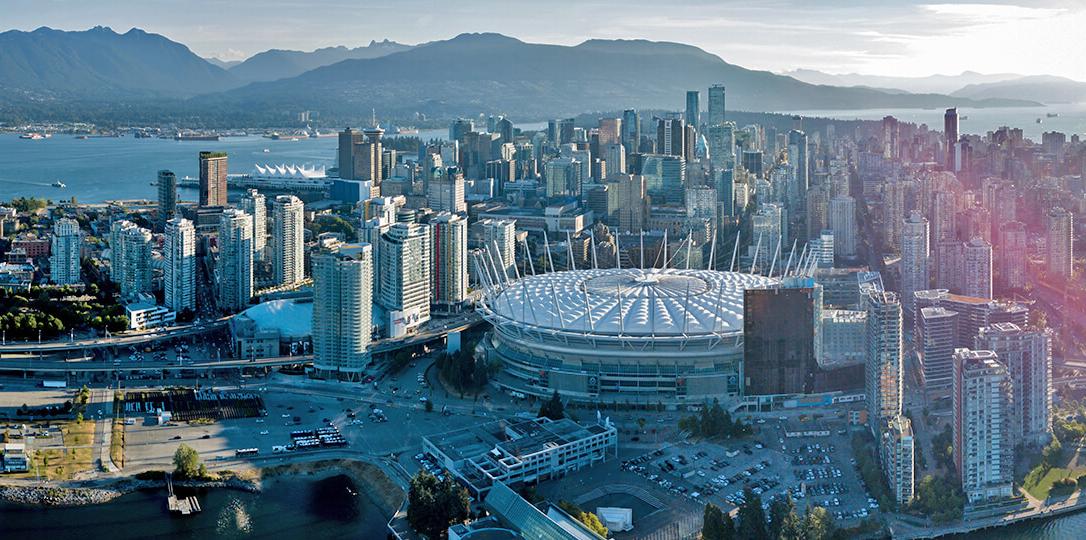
1039,486
116,443
64,463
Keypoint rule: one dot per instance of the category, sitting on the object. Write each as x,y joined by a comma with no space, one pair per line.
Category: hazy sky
885,37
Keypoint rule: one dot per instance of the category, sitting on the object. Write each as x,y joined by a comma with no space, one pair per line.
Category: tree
429,406
435,504
817,524
751,518
588,519
784,523
186,462
716,524
553,408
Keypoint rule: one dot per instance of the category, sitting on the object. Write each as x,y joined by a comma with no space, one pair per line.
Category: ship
1053,115
196,137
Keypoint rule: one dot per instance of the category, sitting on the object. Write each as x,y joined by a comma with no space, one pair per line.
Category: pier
177,505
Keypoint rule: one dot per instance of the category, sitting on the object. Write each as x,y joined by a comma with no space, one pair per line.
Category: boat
59,184
1039,121
32,136
1053,115
266,150
196,137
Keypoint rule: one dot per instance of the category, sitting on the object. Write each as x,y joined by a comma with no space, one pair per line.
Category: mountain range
97,72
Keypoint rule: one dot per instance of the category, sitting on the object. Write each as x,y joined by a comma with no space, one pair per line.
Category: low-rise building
521,451
144,315
14,459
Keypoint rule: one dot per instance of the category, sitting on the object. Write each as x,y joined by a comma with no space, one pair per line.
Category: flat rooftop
515,437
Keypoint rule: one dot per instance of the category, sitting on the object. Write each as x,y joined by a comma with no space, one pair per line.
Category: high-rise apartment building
720,139
213,167
1027,355
116,249
404,272
982,446
342,311
234,270
914,258
64,252
135,265
254,204
288,240
1059,243
800,165
1013,255
843,222
500,239
449,262
884,371
631,130
179,266
898,455
167,196
936,339
977,268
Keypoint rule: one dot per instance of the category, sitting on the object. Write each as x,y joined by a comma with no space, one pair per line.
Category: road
121,340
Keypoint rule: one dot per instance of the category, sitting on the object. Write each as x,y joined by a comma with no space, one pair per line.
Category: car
175,438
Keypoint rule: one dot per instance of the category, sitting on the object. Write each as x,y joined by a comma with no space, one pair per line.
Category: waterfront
1060,528
290,507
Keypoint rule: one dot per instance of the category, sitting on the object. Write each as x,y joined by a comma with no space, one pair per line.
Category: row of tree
463,371
714,423
783,523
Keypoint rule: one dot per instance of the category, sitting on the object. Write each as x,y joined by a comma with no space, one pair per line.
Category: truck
54,384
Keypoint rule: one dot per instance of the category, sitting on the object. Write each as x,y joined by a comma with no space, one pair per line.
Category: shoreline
373,482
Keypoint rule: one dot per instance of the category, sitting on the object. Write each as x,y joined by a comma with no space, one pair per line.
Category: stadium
619,335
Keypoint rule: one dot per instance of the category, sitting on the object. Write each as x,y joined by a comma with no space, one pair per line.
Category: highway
437,329
121,340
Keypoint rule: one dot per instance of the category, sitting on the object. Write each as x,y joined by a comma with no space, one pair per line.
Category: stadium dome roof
627,302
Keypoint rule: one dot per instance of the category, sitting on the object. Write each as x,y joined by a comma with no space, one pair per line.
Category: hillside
280,64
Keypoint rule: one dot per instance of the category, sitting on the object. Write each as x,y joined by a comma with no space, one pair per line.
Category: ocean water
1071,118
290,508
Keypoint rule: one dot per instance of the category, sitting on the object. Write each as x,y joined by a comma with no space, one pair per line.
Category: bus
243,452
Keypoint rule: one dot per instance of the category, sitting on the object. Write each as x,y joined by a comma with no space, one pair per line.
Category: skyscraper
65,248
234,271
348,138
843,223
179,268
1012,255
446,191
213,166
670,136
404,272
288,240
977,268
982,446
116,249
801,167
253,203
1059,243
950,132
342,311
167,196
367,156
884,371
781,359
721,141
1027,355
716,105
914,258
631,130
135,262
449,263
693,110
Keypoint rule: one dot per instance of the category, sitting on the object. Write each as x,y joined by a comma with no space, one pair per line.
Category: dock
183,506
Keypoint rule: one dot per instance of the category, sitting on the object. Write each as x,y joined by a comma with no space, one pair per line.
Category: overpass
121,340
438,330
